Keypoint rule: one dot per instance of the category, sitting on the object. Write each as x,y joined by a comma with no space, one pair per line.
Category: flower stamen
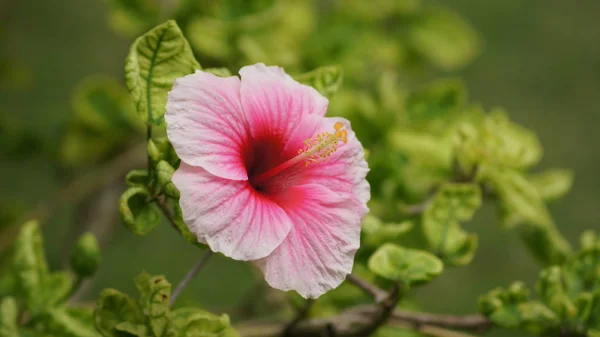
316,149
321,147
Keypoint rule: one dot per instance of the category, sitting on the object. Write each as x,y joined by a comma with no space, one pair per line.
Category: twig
440,332
350,322
386,308
190,275
161,202
469,322
300,315
378,294
430,330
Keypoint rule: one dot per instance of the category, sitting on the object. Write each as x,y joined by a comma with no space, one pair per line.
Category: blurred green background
540,60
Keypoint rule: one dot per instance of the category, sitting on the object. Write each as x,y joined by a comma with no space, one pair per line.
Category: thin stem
190,275
432,331
386,308
468,322
378,294
300,315
76,286
148,138
164,207
345,323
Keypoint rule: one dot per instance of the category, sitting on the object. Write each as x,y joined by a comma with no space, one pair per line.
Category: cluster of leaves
434,158
155,60
117,314
103,122
388,34
447,156
34,299
431,147
569,297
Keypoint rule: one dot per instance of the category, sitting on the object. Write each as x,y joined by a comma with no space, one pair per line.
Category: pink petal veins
274,103
230,215
319,251
206,124
265,177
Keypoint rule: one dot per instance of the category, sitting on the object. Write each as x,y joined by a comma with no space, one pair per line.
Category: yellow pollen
323,145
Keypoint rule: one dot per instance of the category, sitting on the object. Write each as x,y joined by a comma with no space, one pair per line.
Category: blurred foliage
436,158
120,315
569,297
42,293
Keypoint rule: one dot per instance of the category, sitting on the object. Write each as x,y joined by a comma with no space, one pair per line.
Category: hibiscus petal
274,103
206,124
319,251
230,215
344,172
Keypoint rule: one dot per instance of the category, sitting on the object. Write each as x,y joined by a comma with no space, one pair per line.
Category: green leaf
519,197
103,105
531,316
221,72
8,275
113,308
133,329
589,240
137,211
593,333
155,292
443,38
511,308
494,143
30,266
422,147
327,80
160,149
439,100
132,17
59,322
553,293
552,184
588,308
452,204
210,37
192,322
104,119
582,272
85,257
8,318
137,178
57,288
545,243
80,145
496,298
376,233
409,266
164,172
82,313
155,60
181,226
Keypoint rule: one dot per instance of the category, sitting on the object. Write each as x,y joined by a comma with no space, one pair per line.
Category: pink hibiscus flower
265,177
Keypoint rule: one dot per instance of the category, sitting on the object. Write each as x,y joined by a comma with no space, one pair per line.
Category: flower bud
86,255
